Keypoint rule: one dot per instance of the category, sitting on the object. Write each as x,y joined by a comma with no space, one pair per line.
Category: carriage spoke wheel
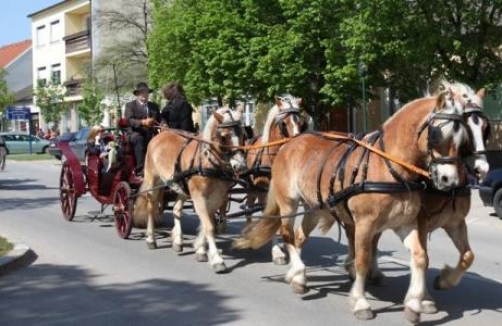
67,194
122,209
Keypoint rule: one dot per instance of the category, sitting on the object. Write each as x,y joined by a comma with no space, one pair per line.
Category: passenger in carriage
141,115
177,114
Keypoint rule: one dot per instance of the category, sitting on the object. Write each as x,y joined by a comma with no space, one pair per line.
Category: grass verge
5,246
29,157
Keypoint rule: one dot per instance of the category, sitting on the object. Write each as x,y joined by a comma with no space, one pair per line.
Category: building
62,52
16,61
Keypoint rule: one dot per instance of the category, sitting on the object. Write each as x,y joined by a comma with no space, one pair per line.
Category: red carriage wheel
122,209
67,194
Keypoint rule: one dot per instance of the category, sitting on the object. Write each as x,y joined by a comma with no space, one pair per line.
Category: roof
24,94
48,8
10,52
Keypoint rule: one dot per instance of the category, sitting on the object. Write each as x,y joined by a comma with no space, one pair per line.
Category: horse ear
240,108
441,99
278,101
481,93
299,101
218,117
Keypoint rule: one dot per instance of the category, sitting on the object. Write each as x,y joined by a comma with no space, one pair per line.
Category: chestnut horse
284,120
362,188
446,210
200,168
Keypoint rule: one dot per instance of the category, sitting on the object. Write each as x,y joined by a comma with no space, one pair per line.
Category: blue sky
14,25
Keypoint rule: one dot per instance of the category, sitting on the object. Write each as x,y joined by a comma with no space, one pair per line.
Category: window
41,35
42,75
55,31
56,74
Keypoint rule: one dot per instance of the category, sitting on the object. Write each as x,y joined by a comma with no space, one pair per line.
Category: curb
18,257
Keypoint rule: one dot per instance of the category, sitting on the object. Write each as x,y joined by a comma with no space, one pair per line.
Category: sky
14,25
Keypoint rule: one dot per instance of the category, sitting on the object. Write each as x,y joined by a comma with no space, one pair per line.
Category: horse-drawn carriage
368,184
114,185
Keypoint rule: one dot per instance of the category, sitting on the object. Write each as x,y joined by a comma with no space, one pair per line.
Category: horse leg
279,257
200,246
450,276
250,200
177,233
349,264
375,276
151,243
362,251
413,239
309,222
206,217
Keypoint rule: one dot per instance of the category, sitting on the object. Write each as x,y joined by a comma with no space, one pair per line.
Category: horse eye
465,96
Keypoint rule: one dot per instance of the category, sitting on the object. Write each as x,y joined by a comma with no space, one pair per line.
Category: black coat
177,114
134,114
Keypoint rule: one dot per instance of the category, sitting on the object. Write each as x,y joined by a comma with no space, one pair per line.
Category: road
86,275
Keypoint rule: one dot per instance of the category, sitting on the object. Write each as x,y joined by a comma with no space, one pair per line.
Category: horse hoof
298,288
412,316
364,314
429,307
151,245
177,247
220,268
280,260
201,257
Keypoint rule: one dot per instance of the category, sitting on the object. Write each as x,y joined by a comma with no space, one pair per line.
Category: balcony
78,42
74,87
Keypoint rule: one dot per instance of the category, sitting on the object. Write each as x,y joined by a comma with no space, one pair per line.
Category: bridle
236,126
477,112
279,119
433,134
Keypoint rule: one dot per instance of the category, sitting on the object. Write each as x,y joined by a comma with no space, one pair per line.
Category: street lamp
363,71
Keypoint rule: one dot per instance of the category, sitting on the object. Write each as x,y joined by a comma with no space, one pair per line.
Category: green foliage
50,98
6,96
312,48
91,108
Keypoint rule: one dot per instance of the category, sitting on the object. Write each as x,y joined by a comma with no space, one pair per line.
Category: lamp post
363,71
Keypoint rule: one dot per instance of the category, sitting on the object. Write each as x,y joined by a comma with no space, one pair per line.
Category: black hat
142,86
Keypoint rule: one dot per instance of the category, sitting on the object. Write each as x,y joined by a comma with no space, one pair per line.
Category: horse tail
262,232
140,216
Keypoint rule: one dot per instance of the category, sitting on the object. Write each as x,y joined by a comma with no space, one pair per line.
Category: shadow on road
22,185
69,295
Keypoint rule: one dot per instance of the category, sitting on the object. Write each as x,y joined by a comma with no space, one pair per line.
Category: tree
91,108
50,98
6,96
124,27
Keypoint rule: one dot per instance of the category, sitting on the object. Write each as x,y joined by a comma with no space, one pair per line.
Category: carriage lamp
363,71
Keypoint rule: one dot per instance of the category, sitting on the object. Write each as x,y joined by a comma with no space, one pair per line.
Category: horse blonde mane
272,113
449,130
212,124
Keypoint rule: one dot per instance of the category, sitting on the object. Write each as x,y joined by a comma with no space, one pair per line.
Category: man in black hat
141,115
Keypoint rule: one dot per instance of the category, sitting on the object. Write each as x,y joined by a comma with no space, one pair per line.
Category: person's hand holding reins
148,122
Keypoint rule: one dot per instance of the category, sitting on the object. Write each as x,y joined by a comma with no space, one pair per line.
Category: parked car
79,143
54,146
490,191
19,143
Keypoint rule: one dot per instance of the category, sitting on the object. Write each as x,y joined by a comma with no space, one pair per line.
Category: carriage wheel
67,195
122,209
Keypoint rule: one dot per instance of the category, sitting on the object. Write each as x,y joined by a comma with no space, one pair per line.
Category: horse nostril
444,180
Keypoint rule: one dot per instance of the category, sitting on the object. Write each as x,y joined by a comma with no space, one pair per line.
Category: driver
141,116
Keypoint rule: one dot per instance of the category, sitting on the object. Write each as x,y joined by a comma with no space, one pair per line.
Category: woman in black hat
177,114
141,115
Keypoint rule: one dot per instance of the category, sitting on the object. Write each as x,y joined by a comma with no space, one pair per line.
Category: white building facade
61,53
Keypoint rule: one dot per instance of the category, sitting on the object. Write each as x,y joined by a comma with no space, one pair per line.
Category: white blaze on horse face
296,129
238,159
481,165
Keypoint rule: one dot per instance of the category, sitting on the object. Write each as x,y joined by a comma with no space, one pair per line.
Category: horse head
445,135
478,126
284,119
225,127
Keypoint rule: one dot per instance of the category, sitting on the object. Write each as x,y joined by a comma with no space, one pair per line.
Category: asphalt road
86,275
